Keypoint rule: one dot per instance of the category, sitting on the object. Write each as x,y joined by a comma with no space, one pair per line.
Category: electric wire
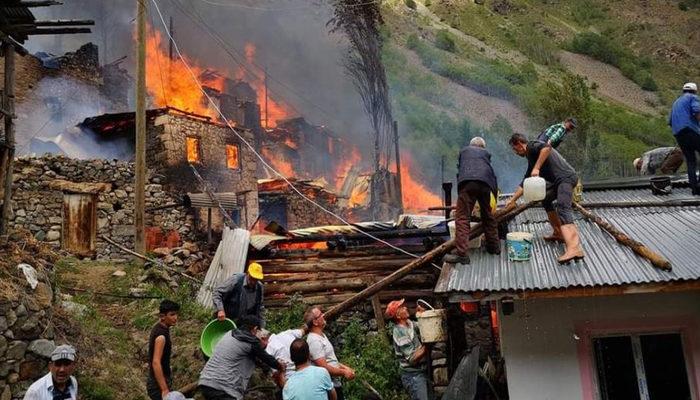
250,7
258,155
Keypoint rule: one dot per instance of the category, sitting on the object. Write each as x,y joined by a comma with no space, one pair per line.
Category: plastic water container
519,246
534,188
431,326
474,243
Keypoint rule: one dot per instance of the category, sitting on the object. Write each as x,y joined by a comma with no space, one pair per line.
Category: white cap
63,352
690,86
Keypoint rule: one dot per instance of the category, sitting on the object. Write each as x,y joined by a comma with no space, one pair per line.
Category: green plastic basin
212,333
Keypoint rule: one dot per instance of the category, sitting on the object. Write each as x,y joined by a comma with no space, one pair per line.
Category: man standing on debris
545,161
279,347
240,295
476,182
159,349
664,160
309,382
555,134
321,349
225,376
685,123
411,352
59,383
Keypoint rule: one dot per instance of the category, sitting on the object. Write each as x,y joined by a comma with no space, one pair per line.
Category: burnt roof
13,14
117,124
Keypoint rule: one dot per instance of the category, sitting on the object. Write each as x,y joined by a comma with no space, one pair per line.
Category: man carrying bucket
546,162
411,352
476,182
240,295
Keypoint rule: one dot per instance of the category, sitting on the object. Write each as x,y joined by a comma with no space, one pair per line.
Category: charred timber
655,259
344,283
393,234
54,31
342,265
43,3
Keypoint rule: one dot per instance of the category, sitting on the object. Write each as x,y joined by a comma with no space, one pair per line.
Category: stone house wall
37,201
166,155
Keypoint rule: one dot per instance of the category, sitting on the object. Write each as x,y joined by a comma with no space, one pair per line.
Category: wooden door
79,223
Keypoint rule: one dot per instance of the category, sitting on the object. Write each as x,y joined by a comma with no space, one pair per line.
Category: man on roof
662,160
476,184
546,162
685,123
556,133
240,295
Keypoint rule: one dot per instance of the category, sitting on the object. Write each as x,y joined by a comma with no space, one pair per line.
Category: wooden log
378,313
656,260
341,265
501,216
321,276
342,283
337,297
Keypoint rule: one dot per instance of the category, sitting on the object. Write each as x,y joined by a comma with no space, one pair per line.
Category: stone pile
26,334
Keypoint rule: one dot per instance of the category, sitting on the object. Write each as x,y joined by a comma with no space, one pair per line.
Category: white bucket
430,324
534,188
519,246
474,243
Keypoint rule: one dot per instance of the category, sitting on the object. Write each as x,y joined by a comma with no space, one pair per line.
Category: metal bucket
660,185
519,245
431,326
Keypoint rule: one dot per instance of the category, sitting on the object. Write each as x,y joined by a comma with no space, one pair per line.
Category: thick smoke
291,39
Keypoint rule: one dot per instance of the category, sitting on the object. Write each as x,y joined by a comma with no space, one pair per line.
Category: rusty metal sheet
79,223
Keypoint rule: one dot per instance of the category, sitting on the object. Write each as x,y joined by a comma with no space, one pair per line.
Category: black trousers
213,394
563,193
689,142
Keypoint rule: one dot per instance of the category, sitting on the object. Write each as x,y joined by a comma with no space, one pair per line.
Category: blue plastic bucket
519,246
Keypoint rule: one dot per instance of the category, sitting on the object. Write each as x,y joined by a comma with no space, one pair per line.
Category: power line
239,5
260,157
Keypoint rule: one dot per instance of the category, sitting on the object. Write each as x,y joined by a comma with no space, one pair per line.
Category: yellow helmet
255,270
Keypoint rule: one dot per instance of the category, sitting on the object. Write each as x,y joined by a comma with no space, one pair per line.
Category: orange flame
343,168
358,197
415,196
169,82
282,166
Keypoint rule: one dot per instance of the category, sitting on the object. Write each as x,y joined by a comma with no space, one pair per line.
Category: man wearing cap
159,349
663,160
240,295
555,134
227,373
476,184
685,123
411,352
58,384
322,352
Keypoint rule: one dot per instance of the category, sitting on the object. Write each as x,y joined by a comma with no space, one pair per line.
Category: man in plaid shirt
555,134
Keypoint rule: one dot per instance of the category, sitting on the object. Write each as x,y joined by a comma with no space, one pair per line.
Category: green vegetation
604,49
410,4
444,41
586,13
373,359
686,5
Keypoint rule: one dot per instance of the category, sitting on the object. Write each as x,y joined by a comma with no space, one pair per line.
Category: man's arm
220,293
544,153
259,303
418,355
260,354
695,108
555,134
158,374
332,395
334,371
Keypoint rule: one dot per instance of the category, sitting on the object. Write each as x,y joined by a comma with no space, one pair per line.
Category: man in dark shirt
240,295
476,182
546,162
159,350
685,123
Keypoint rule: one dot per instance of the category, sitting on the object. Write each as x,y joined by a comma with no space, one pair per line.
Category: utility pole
170,41
398,165
267,115
8,103
140,167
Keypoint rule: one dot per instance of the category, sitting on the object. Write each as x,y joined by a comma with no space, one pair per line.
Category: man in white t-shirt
59,383
278,347
321,349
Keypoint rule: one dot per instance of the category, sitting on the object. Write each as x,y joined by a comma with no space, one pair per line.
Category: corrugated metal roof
633,195
673,232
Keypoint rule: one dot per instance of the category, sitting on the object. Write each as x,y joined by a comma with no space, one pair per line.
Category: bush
290,317
586,13
444,41
410,4
373,359
602,48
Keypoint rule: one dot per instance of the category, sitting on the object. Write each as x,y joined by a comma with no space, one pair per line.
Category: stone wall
40,184
167,156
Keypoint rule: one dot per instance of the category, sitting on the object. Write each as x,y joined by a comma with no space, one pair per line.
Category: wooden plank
378,314
8,100
340,284
337,297
54,31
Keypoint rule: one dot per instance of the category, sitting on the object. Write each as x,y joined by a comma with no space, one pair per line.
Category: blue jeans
416,383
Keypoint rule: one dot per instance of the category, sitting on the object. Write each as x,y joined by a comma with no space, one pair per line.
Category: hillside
458,68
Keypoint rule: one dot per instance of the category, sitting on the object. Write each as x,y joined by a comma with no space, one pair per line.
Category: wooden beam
637,288
8,103
501,215
378,314
54,31
656,259
65,22
29,4
140,131
19,49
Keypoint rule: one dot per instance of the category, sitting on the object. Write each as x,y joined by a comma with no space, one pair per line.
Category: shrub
586,12
427,3
444,41
290,317
410,4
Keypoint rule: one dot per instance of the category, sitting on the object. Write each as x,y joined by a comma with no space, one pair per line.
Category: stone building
281,204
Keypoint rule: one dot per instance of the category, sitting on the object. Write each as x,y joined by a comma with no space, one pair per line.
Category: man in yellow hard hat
240,295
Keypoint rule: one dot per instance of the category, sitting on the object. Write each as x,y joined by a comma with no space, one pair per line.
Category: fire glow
415,196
